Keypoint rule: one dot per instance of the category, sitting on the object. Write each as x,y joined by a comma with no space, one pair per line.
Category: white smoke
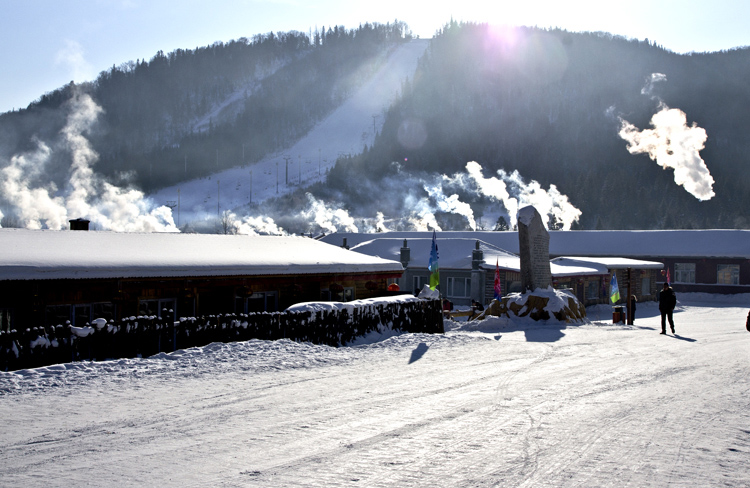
326,218
648,88
549,203
32,206
251,226
413,202
513,192
86,195
422,215
379,223
451,204
374,224
673,144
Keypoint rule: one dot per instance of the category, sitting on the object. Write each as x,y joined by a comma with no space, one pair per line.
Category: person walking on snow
667,302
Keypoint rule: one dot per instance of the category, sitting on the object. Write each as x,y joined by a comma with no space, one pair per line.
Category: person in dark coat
667,302
633,301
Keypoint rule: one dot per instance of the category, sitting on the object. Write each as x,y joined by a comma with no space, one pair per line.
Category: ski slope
498,403
345,131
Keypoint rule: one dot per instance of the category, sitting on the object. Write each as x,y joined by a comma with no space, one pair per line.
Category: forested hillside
192,112
550,104
547,103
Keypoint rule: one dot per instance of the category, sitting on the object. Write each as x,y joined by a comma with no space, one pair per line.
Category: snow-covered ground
496,403
345,131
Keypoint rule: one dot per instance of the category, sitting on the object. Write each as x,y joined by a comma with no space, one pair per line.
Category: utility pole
251,186
318,161
178,208
218,198
286,159
277,177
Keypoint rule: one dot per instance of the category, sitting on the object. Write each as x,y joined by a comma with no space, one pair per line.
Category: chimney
405,255
477,257
79,224
344,245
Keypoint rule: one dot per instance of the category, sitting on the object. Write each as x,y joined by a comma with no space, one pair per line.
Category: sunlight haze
48,43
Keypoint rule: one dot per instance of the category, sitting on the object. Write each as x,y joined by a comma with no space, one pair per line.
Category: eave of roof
42,254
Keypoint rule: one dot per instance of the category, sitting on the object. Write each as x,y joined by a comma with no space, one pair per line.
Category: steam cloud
326,218
672,144
417,202
252,226
414,202
39,204
513,193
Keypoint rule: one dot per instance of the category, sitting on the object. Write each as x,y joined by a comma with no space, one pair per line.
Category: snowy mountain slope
233,104
345,131
495,403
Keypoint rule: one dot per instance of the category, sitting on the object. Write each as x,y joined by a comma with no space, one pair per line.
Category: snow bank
351,305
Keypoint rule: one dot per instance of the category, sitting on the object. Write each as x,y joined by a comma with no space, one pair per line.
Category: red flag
498,288
669,280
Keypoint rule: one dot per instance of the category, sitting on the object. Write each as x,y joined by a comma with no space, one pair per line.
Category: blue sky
47,43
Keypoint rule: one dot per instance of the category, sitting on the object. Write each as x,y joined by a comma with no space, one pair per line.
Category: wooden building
49,277
468,266
708,261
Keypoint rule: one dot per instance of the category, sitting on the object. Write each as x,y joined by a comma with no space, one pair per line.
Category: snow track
345,131
526,406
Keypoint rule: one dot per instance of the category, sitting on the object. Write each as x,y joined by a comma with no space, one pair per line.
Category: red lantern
394,287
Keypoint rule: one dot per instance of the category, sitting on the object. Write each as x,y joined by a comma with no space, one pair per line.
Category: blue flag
433,264
614,293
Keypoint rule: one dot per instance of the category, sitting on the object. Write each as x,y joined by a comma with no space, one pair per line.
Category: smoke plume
513,193
38,203
249,225
424,202
326,218
451,204
672,144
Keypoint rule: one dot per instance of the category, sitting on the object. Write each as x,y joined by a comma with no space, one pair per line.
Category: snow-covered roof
452,253
607,263
48,254
456,254
724,243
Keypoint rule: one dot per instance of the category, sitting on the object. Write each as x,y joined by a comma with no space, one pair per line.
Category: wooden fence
148,335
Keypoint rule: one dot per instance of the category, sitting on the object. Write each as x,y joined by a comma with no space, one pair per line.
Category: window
80,314
420,281
646,286
514,287
684,272
459,287
158,307
103,311
264,301
728,274
592,290
57,315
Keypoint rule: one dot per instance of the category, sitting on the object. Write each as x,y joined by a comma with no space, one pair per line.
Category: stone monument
546,303
533,243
